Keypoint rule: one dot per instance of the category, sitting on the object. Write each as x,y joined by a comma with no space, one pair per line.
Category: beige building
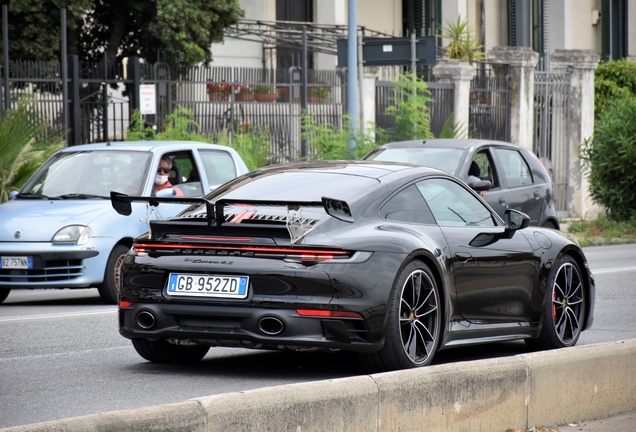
608,27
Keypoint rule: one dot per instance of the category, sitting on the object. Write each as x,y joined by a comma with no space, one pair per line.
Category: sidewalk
619,423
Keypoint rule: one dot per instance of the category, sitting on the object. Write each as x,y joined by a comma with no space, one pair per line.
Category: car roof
151,146
371,169
446,143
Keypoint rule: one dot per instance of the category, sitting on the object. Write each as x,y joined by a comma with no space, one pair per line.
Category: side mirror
516,220
167,192
13,194
482,185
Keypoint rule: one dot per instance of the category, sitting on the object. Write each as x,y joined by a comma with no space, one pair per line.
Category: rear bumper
248,326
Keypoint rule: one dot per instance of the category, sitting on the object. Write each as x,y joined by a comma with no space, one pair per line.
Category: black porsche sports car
393,261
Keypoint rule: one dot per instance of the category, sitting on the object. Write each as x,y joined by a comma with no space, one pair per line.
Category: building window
419,16
614,16
526,26
299,11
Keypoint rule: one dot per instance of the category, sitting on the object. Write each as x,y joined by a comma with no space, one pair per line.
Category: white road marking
614,270
59,315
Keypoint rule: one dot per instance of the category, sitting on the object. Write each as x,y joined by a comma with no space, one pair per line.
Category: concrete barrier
552,387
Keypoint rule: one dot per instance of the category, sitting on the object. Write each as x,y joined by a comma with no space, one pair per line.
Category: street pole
64,65
5,54
352,76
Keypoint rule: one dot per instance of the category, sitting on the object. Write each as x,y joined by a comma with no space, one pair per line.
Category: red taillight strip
320,313
237,239
317,252
125,304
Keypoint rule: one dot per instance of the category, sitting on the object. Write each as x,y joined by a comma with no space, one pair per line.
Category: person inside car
474,175
162,178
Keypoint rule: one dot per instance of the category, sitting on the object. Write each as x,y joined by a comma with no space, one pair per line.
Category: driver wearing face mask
161,179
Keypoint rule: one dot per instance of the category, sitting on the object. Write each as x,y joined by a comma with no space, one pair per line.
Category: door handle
463,256
503,202
537,194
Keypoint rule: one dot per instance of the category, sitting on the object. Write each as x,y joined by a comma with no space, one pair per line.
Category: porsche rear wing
216,210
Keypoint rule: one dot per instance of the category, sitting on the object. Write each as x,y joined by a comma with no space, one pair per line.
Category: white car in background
61,231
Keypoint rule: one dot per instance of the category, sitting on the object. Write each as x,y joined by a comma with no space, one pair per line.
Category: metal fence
440,108
489,110
552,95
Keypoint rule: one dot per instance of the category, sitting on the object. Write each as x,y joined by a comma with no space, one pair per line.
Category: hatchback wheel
414,324
161,351
109,288
564,310
4,293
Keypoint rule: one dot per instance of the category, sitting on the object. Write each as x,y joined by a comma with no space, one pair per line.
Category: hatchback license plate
199,285
17,262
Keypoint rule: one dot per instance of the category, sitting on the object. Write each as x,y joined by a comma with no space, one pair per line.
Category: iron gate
489,109
552,95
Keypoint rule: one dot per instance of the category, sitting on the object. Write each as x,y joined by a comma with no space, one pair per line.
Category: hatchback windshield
445,159
90,173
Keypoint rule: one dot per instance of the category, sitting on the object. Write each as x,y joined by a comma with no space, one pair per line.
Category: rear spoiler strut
122,204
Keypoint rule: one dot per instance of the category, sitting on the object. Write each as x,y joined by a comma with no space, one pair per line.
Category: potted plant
317,92
218,91
243,93
265,93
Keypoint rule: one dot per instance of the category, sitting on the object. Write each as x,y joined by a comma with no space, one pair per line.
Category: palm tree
25,143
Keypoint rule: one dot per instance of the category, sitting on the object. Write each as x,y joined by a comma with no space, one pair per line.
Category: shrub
253,145
332,143
25,143
610,158
178,126
613,80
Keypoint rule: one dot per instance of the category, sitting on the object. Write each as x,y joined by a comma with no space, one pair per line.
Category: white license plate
200,285
17,262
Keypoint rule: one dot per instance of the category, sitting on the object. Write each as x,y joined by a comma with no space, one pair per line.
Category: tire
161,351
564,309
413,327
549,224
109,288
4,293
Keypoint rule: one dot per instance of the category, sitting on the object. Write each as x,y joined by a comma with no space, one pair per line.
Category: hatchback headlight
78,234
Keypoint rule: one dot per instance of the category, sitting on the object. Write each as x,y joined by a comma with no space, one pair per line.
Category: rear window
445,159
304,186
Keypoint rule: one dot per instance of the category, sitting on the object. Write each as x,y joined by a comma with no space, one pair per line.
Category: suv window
515,168
407,206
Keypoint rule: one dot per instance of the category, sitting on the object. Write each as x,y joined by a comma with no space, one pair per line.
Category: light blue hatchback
61,231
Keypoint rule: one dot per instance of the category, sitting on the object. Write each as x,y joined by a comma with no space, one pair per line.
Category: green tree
410,111
25,143
180,31
610,158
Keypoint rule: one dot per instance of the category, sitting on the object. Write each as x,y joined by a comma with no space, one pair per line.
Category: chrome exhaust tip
271,326
145,320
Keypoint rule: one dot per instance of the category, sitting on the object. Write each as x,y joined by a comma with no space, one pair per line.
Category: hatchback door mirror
480,186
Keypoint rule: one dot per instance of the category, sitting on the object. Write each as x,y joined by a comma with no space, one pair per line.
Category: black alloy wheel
414,323
564,310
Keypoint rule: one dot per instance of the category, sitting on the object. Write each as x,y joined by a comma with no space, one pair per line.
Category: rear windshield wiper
80,196
34,195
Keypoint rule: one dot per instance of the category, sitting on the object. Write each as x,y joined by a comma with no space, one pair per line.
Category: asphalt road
61,355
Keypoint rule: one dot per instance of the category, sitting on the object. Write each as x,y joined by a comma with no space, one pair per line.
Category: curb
523,391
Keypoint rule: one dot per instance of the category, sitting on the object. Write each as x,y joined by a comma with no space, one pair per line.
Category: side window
452,205
184,174
219,167
515,168
407,206
483,168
